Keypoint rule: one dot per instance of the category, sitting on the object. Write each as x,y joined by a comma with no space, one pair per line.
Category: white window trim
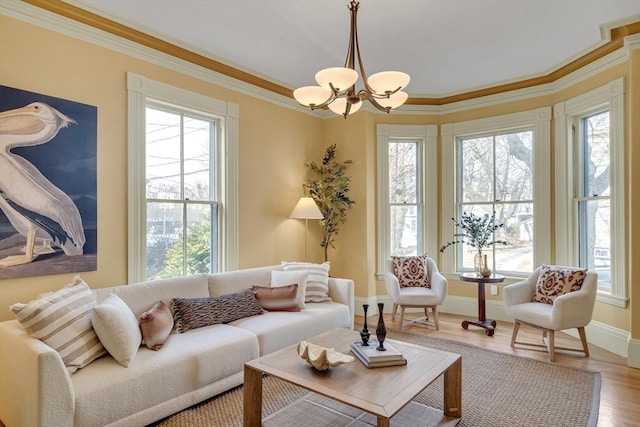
612,96
540,121
138,90
428,135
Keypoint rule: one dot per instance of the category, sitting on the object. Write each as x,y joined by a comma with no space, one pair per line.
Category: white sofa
36,389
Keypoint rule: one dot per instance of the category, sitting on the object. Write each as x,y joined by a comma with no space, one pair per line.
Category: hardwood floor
620,388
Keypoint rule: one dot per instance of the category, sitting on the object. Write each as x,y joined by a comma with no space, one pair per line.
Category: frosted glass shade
311,95
388,81
306,208
341,78
394,101
340,105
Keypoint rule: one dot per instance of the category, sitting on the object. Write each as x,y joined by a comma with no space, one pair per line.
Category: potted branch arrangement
329,188
477,232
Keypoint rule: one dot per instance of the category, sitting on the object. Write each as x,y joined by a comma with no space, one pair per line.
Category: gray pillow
192,313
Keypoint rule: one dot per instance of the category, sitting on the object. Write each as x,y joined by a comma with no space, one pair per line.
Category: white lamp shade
340,105
388,81
306,208
311,95
341,78
394,101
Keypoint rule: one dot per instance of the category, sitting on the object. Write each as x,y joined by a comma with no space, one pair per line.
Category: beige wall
274,143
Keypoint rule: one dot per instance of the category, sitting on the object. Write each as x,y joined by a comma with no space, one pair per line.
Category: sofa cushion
279,298
117,328
193,313
140,296
189,363
554,281
156,325
411,271
278,329
318,281
62,319
285,278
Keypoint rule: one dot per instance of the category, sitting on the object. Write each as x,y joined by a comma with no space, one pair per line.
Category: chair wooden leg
583,338
426,313
401,315
514,334
551,346
393,313
434,310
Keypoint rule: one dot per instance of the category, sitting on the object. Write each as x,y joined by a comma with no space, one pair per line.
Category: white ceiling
446,46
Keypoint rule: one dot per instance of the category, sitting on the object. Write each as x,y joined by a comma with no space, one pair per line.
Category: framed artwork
48,185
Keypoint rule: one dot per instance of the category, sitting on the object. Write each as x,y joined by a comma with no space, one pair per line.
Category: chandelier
337,85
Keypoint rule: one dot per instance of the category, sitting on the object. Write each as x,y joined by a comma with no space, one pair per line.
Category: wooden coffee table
382,392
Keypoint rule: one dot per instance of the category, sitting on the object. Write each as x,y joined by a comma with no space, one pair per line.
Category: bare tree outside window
404,199
594,196
496,175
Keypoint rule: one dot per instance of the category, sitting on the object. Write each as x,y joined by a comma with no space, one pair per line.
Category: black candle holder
381,330
365,334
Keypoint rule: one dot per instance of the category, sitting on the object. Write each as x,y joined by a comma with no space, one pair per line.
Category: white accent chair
417,297
571,310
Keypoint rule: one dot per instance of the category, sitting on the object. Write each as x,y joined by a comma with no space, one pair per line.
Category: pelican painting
34,206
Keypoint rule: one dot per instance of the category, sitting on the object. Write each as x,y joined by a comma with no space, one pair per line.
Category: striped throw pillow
62,319
317,281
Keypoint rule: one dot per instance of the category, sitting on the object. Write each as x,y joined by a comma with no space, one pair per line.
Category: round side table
488,325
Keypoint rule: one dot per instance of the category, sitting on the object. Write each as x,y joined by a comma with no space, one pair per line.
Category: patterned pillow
318,281
280,298
117,328
192,313
156,325
556,280
62,319
411,271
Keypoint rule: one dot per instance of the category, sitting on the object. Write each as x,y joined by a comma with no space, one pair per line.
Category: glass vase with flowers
477,231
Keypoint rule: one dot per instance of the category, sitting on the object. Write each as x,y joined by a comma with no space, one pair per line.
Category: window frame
611,97
140,92
426,135
539,120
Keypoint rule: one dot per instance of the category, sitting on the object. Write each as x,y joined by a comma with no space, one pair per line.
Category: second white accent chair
417,296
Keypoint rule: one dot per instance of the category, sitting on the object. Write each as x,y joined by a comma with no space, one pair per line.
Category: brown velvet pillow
282,298
156,325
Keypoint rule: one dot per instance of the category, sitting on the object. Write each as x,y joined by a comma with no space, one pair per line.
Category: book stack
372,358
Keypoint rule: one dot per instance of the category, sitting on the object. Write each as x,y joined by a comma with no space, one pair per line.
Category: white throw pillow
285,278
117,328
318,281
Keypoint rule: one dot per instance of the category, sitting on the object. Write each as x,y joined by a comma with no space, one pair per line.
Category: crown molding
87,24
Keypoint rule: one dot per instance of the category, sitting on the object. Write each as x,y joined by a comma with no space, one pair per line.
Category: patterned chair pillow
62,319
193,313
411,271
557,280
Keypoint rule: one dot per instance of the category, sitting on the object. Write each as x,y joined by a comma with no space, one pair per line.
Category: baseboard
611,339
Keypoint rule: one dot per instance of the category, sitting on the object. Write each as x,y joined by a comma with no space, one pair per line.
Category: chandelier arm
370,97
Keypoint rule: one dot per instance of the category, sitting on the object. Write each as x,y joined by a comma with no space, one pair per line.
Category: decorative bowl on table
321,358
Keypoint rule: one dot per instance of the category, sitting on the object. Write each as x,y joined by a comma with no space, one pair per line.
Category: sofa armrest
35,386
343,291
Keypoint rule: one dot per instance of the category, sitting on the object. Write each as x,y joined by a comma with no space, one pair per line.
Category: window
499,164
496,175
407,202
182,205
590,190
181,192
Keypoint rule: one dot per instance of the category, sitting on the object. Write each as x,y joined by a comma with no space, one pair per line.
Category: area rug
498,389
